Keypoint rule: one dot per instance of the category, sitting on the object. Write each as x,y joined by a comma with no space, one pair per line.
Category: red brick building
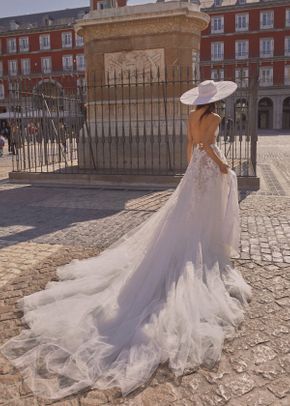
246,38
43,48
249,38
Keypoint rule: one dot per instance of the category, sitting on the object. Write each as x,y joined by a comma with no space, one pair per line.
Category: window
67,62
241,1
266,19
81,65
12,68
23,44
217,51
66,38
11,45
81,86
44,41
287,75
266,47
13,88
1,69
2,92
287,46
217,24
287,19
266,76
100,5
217,74
242,49
242,22
217,2
46,64
242,76
79,41
25,66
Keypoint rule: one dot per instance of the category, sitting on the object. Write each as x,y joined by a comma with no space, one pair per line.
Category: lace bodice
203,168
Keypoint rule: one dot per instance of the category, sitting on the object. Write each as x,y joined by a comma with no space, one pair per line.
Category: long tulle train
165,292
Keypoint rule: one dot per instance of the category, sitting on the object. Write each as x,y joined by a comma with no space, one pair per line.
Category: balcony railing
217,29
266,54
266,82
242,55
13,73
74,71
242,27
217,57
268,24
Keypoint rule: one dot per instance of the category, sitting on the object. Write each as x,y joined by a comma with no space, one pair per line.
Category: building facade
251,39
245,39
42,49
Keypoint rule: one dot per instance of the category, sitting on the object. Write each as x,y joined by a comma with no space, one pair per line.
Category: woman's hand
224,168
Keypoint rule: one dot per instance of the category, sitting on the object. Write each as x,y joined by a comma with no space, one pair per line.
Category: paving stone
43,228
280,388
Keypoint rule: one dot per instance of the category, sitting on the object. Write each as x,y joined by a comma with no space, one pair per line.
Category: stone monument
131,44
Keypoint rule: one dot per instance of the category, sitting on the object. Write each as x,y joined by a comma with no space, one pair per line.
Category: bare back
203,131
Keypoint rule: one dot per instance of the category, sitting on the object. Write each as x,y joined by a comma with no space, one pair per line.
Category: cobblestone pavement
42,228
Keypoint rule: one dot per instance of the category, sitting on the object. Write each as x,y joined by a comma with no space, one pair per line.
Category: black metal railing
123,122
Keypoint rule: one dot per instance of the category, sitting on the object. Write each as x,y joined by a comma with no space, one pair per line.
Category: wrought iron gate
128,123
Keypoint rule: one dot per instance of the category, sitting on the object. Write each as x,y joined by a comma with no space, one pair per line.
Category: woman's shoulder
215,117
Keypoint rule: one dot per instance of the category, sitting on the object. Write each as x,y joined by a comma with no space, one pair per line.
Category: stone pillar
277,112
143,38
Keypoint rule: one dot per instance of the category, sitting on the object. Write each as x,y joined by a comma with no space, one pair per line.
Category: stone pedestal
132,44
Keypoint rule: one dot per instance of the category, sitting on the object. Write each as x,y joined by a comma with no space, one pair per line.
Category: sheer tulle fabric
165,292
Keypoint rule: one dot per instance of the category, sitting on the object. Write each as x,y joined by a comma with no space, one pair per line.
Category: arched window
265,113
241,113
265,102
286,113
48,94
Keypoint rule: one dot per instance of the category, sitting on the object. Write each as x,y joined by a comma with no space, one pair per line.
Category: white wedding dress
165,292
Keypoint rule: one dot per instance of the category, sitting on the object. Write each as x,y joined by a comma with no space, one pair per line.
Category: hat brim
224,89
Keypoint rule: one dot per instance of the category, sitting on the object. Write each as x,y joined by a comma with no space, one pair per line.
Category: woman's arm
221,164
206,145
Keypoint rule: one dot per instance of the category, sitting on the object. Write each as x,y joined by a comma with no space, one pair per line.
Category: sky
18,7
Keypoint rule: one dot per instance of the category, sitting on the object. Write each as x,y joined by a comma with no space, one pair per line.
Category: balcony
12,50
242,55
217,30
266,54
46,73
68,68
217,57
81,68
267,25
266,82
13,73
23,49
242,27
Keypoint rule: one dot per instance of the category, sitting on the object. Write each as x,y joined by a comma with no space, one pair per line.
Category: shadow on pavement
29,212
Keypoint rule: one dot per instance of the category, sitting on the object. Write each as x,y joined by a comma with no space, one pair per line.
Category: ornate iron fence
125,123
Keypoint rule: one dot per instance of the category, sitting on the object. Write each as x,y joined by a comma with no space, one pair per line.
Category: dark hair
210,108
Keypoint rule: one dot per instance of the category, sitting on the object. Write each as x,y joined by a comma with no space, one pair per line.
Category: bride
164,293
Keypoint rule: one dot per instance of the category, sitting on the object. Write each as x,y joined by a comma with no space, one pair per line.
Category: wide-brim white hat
208,91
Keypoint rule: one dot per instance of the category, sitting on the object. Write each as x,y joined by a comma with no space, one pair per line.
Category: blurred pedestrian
2,144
